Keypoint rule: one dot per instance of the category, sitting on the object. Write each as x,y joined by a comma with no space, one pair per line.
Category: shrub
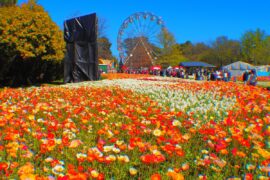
28,38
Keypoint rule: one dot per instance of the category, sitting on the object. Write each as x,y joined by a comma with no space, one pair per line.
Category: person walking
253,78
245,77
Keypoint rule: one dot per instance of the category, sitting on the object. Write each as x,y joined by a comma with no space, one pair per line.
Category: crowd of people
249,77
197,74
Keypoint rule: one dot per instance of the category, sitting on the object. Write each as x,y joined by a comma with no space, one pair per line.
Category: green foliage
28,39
115,61
196,52
104,48
8,2
29,32
104,44
226,51
167,40
171,53
30,71
172,57
255,47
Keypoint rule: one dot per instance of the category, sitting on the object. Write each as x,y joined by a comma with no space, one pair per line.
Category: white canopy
238,68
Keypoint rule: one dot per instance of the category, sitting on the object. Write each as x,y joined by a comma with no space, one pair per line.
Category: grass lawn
264,83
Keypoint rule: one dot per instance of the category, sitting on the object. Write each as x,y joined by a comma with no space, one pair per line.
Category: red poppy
156,177
152,159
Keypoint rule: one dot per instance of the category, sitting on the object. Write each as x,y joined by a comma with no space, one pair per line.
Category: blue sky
194,20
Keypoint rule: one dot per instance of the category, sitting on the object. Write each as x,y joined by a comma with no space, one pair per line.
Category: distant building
238,68
106,65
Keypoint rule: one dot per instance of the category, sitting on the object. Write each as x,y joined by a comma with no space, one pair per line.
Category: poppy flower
155,177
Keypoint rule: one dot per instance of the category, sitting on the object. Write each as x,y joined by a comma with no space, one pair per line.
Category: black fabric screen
81,61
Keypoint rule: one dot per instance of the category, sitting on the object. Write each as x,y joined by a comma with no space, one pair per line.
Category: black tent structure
81,61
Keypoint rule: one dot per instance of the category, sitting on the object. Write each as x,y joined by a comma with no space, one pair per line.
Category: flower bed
150,127
260,78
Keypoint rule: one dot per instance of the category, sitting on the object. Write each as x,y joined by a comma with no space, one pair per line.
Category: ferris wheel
138,40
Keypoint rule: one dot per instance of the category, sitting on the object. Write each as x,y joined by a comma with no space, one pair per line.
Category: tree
30,33
171,53
265,53
27,33
255,47
104,48
220,52
187,49
172,57
225,51
104,44
195,52
102,27
8,2
116,62
166,40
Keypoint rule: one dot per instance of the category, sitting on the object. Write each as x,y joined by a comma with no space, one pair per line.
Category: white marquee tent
238,68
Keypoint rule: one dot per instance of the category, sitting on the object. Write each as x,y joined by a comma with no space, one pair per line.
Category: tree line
253,47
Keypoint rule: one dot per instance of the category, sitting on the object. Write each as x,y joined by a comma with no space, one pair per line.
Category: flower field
135,128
